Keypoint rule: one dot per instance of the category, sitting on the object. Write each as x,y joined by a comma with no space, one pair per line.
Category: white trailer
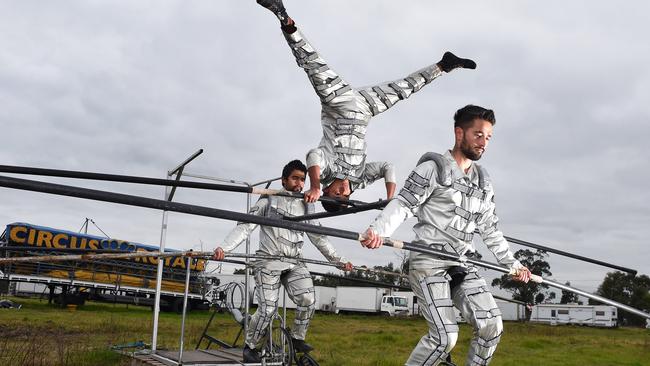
592,315
369,300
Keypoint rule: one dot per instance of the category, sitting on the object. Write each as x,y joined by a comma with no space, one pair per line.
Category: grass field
39,334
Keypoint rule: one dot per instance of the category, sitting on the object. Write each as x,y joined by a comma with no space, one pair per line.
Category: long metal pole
345,211
187,290
216,179
169,195
247,280
159,274
235,216
570,255
425,249
312,261
377,283
133,255
165,182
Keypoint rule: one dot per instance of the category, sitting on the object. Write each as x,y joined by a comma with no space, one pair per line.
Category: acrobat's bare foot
450,61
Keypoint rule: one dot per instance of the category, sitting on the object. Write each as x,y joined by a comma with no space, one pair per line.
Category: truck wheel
385,313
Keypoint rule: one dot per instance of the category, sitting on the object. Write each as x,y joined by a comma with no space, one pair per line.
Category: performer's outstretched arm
241,231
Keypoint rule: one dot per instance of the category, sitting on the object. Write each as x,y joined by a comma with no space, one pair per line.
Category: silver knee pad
300,289
478,307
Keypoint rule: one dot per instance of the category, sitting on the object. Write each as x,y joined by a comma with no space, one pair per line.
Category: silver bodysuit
346,112
450,205
269,274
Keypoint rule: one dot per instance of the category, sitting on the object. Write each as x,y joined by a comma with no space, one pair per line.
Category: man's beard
469,152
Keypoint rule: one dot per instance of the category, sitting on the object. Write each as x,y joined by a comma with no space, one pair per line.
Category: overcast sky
135,87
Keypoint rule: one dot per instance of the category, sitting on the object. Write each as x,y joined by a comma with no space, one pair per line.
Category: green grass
39,334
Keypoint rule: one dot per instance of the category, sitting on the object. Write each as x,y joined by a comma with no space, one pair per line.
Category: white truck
369,300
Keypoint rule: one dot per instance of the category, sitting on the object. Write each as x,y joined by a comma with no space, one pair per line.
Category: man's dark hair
291,166
465,116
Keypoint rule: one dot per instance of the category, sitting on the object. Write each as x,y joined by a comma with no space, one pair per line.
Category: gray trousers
436,302
300,288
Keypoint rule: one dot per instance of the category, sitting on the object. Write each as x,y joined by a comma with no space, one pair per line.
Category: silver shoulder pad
443,176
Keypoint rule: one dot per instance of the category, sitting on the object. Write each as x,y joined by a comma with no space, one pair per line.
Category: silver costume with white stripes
450,205
346,112
269,274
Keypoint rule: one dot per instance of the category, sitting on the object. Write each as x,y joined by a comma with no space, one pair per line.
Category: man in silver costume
452,196
339,162
270,273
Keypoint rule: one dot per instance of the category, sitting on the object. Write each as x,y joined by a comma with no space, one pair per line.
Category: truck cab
394,305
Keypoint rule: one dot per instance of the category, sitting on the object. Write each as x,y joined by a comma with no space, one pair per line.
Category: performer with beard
452,196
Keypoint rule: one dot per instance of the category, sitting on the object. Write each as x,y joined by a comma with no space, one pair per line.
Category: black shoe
299,345
276,7
450,61
251,355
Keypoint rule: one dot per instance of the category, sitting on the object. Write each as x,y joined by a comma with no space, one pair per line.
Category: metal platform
216,357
